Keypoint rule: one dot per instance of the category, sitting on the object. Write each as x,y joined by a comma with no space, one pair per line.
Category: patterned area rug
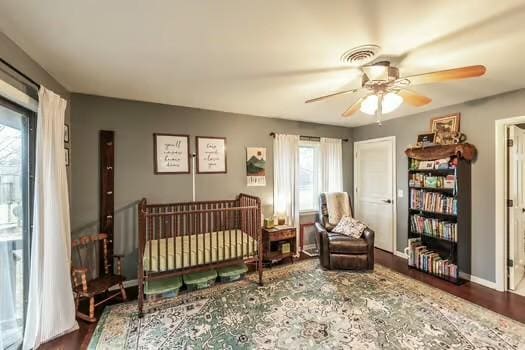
303,307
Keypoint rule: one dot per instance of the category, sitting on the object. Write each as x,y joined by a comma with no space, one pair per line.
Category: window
16,152
309,176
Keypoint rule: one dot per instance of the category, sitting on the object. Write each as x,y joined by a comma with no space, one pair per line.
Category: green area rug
303,307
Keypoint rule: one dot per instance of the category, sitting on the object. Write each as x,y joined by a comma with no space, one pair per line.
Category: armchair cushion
337,206
342,244
350,227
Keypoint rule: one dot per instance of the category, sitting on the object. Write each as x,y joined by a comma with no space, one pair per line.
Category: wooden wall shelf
465,151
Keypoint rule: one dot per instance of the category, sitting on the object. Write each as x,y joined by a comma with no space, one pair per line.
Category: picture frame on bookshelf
445,128
425,140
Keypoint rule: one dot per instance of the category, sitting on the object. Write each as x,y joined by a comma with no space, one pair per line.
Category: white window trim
21,98
316,145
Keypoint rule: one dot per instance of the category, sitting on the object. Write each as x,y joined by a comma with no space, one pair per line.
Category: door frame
501,196
394,184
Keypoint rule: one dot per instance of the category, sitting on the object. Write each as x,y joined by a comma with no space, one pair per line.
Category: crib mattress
206,248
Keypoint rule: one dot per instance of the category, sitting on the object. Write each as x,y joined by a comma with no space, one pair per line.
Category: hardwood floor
508,304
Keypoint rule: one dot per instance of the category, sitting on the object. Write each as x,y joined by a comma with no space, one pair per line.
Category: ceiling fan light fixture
369,105
391,101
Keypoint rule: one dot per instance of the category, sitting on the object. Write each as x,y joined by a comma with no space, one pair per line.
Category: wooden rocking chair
83,287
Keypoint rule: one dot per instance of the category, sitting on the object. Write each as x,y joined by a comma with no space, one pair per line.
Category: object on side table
268,222
83,252
337,251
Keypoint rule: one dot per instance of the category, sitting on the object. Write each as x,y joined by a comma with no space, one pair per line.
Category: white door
517,210
374,188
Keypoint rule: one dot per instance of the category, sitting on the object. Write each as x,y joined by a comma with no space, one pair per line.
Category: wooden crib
180,238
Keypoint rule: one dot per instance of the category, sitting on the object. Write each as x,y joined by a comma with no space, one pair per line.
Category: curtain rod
10,66
272,134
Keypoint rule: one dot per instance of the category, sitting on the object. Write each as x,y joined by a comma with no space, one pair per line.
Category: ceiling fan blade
331,95
353,108
413,98
444,75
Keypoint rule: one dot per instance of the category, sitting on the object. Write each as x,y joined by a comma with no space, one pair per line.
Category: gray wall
477,122
16,57
134,124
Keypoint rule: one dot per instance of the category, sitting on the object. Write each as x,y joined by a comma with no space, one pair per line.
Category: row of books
421,180
430,261
431,201
444,163
434,227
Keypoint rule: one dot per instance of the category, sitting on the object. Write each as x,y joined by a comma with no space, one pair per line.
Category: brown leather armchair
337,251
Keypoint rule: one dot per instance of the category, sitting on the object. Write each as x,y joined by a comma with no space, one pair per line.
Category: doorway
375,187
516,208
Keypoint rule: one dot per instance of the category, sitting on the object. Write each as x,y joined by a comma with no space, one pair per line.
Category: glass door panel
14,221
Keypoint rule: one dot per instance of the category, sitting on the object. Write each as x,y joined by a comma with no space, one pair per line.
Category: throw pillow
349,226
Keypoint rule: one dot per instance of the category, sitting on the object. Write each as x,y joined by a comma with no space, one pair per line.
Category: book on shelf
432,202
423,258
434,227
438,164
428,181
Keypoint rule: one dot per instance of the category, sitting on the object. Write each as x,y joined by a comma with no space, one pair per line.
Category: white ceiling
266,57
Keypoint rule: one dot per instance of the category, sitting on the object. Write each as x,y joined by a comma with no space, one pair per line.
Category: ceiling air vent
361,55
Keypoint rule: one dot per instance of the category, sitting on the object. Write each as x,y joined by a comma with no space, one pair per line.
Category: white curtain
331,165
51,309
285,179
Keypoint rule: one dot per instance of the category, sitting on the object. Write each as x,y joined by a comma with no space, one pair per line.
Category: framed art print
444,127
256,166
171,153
211,155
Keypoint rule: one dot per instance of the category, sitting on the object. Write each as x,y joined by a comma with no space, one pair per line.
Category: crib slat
150,225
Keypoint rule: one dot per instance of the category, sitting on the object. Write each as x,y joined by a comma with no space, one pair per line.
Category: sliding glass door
16,152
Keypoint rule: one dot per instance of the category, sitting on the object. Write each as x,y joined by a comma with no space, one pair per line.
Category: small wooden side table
273,238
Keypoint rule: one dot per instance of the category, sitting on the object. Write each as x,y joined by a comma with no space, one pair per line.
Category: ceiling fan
386,91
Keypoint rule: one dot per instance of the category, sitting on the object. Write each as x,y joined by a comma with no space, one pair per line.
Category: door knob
387,201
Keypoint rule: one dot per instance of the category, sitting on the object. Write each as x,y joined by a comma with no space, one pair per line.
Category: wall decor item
256,166
445,127
66,155
66,133
106,198
426,139
426,165
171,153
211,155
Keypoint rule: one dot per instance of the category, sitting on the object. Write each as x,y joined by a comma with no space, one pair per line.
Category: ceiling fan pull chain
379,110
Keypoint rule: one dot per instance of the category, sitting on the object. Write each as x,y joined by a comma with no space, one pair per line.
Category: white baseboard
463,275
401,255
478,280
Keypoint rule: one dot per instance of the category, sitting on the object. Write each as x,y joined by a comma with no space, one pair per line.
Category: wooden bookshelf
445,237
